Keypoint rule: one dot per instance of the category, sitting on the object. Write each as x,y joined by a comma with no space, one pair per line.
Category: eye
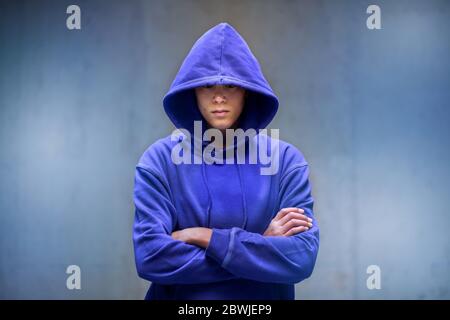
230,86
208,86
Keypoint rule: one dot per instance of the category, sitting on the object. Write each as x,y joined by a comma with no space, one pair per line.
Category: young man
219,228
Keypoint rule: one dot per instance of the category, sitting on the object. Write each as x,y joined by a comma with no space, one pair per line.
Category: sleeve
160,258
272,259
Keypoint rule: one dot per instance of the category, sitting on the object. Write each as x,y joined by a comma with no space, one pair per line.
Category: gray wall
368,108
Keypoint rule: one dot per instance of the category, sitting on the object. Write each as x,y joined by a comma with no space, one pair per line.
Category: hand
182,235
197,236
287,222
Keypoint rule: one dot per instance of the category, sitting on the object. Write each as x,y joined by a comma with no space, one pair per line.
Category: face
220,105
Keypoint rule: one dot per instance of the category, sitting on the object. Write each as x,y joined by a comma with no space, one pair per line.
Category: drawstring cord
244,204
244,201
205,181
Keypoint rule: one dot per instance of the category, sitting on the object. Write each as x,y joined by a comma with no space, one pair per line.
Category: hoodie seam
158,176
221,52
230,248
291,169
152,171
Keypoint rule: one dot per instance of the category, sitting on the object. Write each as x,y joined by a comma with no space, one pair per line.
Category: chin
221,125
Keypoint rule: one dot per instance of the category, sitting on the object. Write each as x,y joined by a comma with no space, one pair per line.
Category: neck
223,131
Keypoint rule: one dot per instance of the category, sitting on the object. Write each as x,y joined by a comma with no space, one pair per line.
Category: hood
220,57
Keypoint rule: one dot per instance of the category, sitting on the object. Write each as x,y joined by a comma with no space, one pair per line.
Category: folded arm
281,259
159,257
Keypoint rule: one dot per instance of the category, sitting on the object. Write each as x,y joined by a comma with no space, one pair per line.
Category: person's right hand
287,222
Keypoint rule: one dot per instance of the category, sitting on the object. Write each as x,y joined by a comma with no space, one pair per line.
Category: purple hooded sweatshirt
235,200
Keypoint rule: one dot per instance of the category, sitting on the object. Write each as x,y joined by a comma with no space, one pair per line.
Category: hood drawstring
205,181
244,202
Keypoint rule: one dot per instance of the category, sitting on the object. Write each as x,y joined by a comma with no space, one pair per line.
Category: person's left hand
197,236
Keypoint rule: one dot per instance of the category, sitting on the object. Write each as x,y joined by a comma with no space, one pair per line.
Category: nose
219,96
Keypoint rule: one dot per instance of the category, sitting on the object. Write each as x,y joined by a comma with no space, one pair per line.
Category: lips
220,112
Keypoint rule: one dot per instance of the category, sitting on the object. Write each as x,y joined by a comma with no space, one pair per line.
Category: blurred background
368,108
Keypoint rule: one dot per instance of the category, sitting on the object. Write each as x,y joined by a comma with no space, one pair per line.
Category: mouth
220,112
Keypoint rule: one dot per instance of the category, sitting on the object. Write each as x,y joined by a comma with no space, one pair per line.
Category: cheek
202,101
238,103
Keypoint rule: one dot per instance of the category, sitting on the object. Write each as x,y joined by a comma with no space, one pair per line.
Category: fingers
285,211
289,221
294,215
294,223
176,235
295,230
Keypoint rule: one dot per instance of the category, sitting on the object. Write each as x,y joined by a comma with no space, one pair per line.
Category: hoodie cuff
218,245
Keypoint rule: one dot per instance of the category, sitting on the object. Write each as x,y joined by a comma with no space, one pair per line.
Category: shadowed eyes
228,86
